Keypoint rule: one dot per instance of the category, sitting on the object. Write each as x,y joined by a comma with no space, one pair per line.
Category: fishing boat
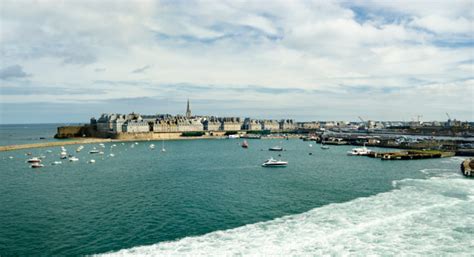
274,163
37,165
245,144
276,148
34,160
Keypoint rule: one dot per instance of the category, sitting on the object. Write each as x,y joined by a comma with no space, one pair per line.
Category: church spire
188,110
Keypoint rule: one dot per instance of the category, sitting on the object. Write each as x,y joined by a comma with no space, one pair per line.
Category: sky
68,61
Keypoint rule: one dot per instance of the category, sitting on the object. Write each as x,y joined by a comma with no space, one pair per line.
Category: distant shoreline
77,141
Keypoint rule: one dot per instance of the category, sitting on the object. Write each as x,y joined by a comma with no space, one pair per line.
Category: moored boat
73,159
359,151
37,165
276,148
34,160
245,144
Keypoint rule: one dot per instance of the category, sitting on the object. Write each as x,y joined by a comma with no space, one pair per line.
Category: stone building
287,125
271,125
211,123
135,126
231,123
308,125
252,125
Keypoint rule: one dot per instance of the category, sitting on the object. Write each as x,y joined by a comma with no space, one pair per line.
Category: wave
419,217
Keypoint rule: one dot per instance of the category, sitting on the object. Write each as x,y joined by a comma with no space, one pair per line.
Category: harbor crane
449,117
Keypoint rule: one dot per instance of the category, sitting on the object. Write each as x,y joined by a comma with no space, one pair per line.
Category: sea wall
147,135
70,131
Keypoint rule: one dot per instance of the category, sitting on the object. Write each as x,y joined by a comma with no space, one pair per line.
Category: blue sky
66,61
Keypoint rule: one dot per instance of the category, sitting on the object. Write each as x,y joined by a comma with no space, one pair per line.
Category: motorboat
245,144
34,160
79,148
152,146
94,151
91,161
73,159
102,145
111,155
276,148
37,165
274,163
324,147
56,163
359,151
63,155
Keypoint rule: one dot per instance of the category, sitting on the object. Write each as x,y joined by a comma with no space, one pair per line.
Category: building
211,123
188,110
252,125
231,123
272,125
287,125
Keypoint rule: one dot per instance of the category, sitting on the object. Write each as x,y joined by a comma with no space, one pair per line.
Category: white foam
422,217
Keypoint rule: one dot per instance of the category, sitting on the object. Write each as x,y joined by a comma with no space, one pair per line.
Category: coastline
76,141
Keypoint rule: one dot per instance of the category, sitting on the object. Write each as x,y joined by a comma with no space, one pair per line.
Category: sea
211,197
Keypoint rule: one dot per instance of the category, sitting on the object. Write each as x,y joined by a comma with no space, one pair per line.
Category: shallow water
204,193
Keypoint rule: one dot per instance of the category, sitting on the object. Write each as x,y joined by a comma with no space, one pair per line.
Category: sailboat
163,146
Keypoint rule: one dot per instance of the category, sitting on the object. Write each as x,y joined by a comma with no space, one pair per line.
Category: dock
411,155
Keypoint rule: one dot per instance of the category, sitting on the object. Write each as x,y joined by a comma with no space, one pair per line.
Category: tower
188,111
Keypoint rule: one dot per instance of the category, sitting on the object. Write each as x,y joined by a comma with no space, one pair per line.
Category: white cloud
310,45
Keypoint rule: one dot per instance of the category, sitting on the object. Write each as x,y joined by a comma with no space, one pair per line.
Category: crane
449,117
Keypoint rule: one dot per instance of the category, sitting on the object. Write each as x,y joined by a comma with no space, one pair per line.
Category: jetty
411,155
467,167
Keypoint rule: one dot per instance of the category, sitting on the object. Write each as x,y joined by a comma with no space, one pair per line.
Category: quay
411,155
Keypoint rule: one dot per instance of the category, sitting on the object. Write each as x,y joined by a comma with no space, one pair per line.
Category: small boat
34,160
101,153
73,159
235,136
310,145
91,161
102,145
79,148
136,143
111,155
245,144
56,163
152,146
274,163
323,146
49,151
63,155
10,157
359,151
37,165
276,148
93,151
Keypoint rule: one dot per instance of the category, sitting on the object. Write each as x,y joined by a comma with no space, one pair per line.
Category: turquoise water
199,196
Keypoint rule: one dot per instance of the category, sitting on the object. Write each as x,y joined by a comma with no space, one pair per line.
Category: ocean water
12,134
211,197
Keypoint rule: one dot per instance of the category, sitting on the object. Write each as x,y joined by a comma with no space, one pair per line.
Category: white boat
79,148
152,146
274,163
276,148
111,155
233,136
91,161
56,163
359,151
34,160
323,146
101,153
49,151
63,155
73,159
94,151
102,145
37,165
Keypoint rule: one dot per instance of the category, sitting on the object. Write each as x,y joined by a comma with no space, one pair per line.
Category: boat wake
419,217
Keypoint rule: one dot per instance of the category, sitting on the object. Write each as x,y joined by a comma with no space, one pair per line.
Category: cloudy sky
66,61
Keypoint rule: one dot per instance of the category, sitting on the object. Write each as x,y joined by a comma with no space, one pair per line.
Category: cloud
13,72
142,69
248,54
